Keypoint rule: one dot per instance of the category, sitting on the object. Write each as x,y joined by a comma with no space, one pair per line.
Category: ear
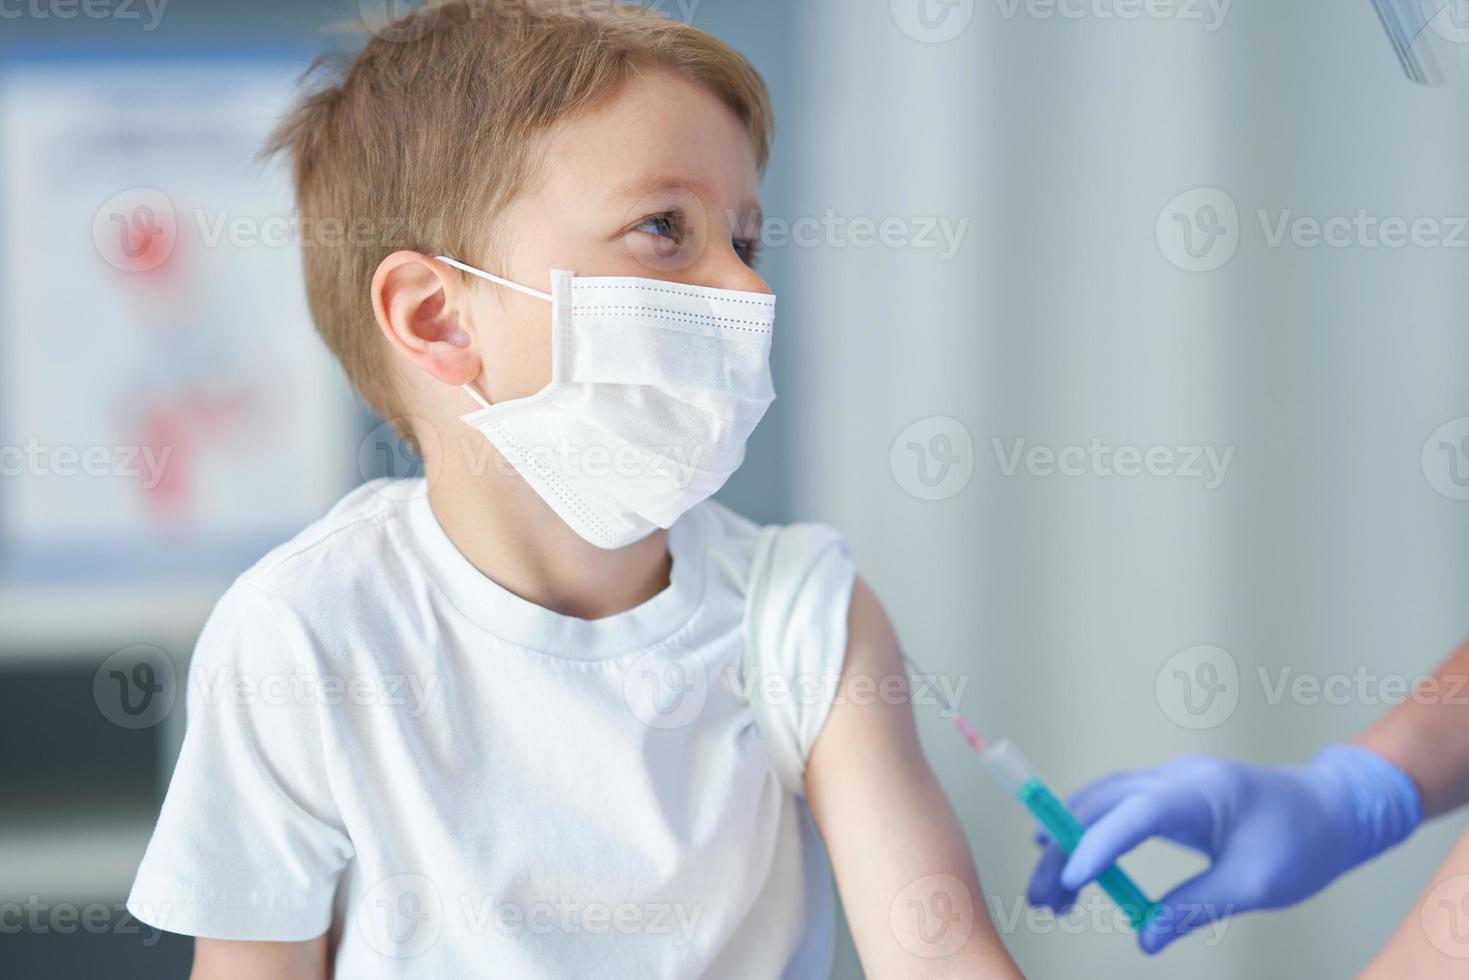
420,306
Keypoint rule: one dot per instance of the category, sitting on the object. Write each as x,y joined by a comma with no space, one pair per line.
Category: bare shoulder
871,719
871,641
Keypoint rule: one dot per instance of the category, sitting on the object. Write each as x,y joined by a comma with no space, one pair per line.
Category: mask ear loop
493,278
503,282
476,395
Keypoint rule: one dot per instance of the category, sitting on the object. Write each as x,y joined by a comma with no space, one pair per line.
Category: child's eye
669,224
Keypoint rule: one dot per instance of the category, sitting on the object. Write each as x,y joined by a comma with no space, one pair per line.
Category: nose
727,270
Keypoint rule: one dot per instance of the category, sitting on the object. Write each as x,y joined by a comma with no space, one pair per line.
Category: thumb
1133,821
1192,905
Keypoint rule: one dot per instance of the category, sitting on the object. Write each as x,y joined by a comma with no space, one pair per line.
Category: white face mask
655,387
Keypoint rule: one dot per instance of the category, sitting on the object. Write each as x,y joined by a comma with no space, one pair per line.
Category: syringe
1005,763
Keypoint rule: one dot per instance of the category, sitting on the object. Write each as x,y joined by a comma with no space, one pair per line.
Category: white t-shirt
458,783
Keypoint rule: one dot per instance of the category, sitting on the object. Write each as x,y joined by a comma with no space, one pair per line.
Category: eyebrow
645,186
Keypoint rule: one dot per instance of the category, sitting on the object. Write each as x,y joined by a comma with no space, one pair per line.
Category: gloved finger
1193,905
1045,889
1095,799
1126,826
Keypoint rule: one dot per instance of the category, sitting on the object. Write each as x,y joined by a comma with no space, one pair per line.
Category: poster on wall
166,409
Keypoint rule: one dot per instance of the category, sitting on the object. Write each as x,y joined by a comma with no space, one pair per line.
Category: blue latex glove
1274,835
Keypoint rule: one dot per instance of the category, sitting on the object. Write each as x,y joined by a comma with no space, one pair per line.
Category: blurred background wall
1004,234
1083,147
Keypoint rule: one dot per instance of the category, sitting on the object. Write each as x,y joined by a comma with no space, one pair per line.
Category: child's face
660,182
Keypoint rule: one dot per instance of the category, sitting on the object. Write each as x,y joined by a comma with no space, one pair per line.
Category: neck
499,524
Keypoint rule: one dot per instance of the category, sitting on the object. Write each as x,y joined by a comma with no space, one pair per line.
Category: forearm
1427,736
1431,941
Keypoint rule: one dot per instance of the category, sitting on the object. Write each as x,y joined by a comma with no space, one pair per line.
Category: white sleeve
798,596
249,844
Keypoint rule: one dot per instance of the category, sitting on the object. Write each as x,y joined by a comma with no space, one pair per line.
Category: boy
625,758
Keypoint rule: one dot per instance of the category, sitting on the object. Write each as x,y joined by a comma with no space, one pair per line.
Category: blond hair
422,139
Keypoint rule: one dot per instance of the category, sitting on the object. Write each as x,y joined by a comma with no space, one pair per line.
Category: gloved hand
1274,835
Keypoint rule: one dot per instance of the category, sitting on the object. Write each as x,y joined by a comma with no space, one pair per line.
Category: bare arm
225,959
902,865
1433,940
1428,736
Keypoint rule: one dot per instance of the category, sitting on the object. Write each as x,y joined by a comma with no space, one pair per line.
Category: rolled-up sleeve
798,598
